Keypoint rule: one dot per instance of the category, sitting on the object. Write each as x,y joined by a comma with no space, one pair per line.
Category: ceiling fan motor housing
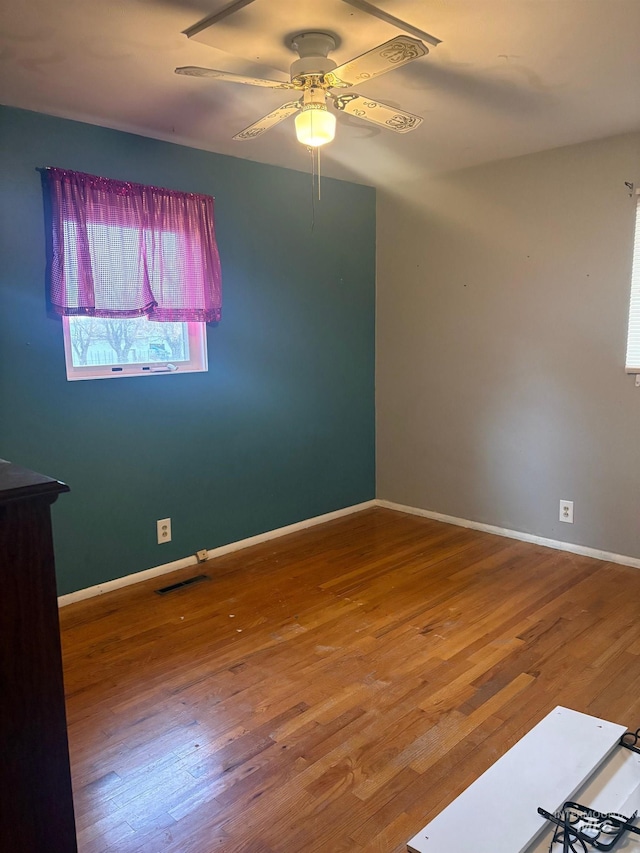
312,49
314,99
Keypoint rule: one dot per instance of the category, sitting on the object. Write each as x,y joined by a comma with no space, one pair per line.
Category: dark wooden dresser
36,805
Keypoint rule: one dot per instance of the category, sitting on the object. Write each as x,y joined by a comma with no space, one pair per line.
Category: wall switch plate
566,511
202,555
163,527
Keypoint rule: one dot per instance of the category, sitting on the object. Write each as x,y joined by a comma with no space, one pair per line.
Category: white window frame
197,362
632,360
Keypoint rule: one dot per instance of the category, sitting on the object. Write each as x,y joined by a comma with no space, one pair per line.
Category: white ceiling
510,77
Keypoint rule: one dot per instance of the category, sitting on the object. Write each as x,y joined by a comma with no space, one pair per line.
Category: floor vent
182,584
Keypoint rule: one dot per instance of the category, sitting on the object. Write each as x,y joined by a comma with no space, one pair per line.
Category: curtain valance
122,249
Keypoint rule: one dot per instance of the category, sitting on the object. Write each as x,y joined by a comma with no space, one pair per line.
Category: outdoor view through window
97,341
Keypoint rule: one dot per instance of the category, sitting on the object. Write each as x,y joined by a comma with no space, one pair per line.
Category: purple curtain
123,250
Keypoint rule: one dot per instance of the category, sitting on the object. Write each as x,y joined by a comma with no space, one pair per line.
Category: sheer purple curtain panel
123,250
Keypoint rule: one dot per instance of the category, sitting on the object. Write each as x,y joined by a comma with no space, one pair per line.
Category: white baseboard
128,580
164,569
582,550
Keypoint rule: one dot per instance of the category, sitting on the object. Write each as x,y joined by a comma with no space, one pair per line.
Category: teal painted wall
280,429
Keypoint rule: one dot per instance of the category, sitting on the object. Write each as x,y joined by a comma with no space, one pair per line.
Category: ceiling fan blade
392,54
195,71
389,117
268,121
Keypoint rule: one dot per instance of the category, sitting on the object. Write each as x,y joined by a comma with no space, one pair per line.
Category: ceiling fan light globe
315,127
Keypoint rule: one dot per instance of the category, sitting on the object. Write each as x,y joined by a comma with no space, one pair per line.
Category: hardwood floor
334,689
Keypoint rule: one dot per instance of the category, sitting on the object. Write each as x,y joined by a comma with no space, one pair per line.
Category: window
135,275
633,340
98,348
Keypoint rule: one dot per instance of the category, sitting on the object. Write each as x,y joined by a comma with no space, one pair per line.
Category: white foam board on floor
498,812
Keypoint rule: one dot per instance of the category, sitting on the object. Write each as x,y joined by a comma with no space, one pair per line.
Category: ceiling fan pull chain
319,194
313,198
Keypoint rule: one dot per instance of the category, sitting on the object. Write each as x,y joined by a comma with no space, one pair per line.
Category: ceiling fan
315,77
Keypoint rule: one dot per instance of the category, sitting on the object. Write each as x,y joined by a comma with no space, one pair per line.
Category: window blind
633,340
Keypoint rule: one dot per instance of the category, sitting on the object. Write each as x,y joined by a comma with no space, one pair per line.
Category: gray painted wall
501,330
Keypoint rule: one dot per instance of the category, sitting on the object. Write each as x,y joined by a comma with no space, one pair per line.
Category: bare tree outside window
136,340
121,335
83,334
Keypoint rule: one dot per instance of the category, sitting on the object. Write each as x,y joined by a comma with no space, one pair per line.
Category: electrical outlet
566,511
202,555
163,527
